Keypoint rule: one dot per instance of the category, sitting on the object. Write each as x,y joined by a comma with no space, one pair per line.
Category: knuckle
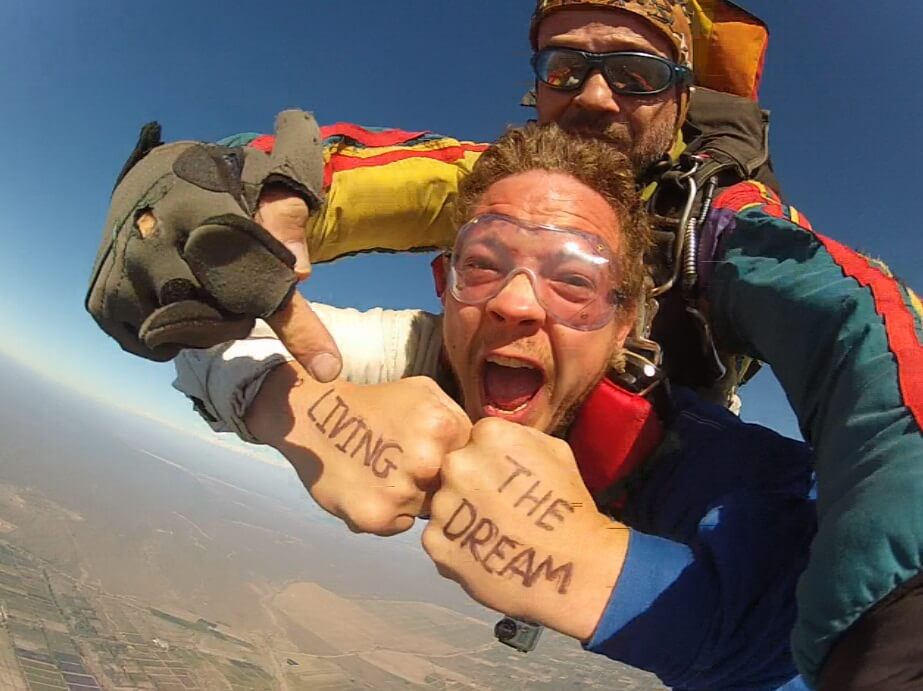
426,384
458,468
489,428
320,493
371,516
559,447
430,540
400,524
407,495
462,422
440,424
429,391
423,474
442,504
437,415
353,528
490,425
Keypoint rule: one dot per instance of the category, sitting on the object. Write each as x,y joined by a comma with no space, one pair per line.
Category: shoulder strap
606,460
727,142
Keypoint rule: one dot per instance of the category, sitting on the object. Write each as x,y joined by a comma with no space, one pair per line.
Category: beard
642,150
565,415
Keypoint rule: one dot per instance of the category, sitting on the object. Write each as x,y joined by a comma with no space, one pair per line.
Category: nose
517,304
596,94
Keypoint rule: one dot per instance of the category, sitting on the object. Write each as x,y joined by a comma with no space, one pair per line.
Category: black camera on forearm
518,634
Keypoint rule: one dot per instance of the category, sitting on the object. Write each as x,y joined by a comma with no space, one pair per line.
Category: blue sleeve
845,340
715,614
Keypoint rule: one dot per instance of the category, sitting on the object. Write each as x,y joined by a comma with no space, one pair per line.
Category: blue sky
79,77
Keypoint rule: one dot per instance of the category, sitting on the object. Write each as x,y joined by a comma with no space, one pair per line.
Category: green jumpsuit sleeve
844,339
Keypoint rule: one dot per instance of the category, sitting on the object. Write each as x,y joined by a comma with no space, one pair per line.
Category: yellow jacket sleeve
387,190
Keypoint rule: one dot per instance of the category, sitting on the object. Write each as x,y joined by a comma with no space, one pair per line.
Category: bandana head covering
671,17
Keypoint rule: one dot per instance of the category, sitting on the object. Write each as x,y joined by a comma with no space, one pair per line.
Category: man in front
539,293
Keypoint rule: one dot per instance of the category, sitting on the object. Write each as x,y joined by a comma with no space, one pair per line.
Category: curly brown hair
591,161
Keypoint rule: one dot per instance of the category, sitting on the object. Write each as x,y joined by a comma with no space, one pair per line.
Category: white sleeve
377,346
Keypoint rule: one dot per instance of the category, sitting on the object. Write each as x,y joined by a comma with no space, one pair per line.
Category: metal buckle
643,371
685,263
684,220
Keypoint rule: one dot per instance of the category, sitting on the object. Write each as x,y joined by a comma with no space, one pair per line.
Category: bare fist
370,455
513,524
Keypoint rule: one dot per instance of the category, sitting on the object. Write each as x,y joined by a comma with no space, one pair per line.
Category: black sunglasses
626,72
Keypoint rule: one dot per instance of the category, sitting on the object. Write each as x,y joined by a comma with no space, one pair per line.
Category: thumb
305,337
302,266
285,215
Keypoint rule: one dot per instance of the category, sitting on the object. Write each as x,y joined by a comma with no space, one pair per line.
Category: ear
626,324
440,269
623,330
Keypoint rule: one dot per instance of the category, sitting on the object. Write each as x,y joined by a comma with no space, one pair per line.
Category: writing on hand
498,553
331,414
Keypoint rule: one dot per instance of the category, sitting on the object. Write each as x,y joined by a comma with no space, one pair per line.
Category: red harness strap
613,433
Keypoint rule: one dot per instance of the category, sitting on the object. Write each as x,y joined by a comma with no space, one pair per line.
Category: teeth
508,361
514,410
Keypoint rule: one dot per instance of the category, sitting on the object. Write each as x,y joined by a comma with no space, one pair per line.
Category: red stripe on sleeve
369,138
900,329
264,143
355,132
449,154
748,194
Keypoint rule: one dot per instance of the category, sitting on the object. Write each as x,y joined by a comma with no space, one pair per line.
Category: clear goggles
572,272
626,72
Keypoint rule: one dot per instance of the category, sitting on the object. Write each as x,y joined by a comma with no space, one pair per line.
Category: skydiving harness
621,424
615,431
685,258
727,143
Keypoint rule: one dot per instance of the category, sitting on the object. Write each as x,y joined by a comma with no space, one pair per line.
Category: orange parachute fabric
729,47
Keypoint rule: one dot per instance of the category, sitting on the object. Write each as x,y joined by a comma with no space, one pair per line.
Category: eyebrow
489,243
494,244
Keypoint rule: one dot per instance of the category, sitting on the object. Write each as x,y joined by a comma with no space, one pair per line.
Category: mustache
596,126
643,152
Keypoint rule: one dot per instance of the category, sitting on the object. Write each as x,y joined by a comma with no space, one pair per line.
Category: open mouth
509,384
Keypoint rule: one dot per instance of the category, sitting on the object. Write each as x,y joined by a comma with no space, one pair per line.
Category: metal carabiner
691,248
683,226
643,365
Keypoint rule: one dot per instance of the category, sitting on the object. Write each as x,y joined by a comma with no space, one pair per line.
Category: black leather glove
202,271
